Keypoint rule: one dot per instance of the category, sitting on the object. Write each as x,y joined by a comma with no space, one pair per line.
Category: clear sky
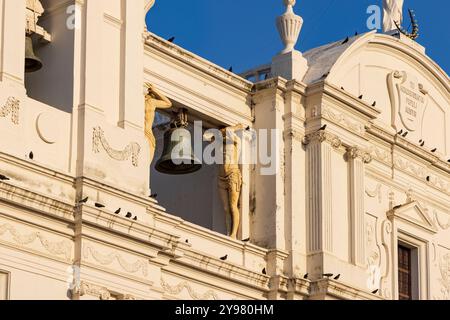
242,33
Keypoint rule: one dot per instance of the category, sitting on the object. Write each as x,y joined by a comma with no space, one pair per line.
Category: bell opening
32,62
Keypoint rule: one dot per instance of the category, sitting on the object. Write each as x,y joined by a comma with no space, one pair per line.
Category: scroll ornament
131,151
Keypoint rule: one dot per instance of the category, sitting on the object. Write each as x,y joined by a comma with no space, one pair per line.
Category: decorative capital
323,136
289,26
355,152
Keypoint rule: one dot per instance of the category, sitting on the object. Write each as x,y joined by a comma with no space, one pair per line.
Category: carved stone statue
153,100
230,178
393,12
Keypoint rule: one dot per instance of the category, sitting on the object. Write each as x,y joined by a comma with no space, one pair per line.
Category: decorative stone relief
386,263
92,290
444,267
176,290
375,193
408,99
408,167
107,259
356,152
438,221
373,254
61,248
343,120
380,155
12,106
131,151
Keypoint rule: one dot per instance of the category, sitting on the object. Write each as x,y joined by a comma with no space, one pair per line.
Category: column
12,35
357,160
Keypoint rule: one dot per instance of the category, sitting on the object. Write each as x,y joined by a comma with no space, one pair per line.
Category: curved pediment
411,91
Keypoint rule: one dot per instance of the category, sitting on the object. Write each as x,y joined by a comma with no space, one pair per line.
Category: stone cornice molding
339,290
395,140
332,93
153,41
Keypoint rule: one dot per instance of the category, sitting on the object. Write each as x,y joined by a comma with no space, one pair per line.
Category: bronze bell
178,157
32,62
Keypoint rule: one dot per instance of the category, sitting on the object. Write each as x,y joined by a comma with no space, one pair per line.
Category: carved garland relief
176,290
107,259
131,151
61,248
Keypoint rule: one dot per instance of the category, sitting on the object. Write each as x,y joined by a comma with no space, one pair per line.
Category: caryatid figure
230,177
153,100
393,13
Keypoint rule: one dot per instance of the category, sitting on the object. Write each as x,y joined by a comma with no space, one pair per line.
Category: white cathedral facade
359,207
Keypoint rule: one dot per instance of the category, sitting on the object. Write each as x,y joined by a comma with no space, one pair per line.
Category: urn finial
289,26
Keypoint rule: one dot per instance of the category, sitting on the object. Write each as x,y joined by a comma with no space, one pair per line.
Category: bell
178,157
32,62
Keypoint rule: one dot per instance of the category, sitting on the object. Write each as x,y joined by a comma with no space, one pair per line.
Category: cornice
340,290
197,62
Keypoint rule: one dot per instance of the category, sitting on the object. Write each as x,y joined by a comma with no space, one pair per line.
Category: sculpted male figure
153,100
230,177
393,12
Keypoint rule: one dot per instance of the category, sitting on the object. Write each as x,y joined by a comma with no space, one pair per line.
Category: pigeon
375,291
374,104
266,76
428,178
225,257
360,97
323,127
337,277
3,178
230,69
422,144
99,205
400,132
129,215
187,241
342,88
154,196
346,40
325,75
171,40
306,276
327,275
396,207
31,155
448,160
85,200
135,218
246,240
405,134
434,150
264,271
356,33
118,211
420,141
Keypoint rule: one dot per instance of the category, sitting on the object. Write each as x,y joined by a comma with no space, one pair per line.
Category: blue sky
242,33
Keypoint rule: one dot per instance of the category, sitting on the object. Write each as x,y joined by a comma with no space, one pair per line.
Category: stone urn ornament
289,26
